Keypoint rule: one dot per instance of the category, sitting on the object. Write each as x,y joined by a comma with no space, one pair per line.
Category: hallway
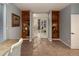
42,47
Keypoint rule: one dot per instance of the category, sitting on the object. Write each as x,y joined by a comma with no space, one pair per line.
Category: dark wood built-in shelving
55,24
25,23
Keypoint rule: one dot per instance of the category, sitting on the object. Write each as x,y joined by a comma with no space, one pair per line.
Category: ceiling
41,7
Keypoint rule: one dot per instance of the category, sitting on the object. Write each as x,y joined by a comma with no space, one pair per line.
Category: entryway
40,25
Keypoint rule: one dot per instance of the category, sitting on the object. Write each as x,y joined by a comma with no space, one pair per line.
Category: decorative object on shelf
25,28
55,24
24,24
15,20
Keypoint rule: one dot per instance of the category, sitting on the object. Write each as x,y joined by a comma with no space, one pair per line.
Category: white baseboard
50,39
55,39
74,48
65,43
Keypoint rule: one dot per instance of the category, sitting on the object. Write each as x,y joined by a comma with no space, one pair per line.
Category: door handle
72,33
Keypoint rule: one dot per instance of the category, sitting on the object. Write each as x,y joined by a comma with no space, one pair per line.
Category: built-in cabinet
55,24
25,23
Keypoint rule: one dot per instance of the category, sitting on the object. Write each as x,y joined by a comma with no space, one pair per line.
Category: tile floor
42,47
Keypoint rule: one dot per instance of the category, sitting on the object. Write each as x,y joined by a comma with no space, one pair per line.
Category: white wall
50,26
12,32
31,21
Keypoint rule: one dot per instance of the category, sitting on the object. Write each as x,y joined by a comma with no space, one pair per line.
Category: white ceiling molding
41,7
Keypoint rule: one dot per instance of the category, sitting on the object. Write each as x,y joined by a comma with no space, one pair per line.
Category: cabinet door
55,24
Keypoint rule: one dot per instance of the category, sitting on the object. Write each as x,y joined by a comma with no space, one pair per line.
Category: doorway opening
40,25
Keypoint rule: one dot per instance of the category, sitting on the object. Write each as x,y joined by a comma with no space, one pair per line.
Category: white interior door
75,31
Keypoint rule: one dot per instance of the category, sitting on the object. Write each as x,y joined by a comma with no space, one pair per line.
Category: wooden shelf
25,23
55,24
